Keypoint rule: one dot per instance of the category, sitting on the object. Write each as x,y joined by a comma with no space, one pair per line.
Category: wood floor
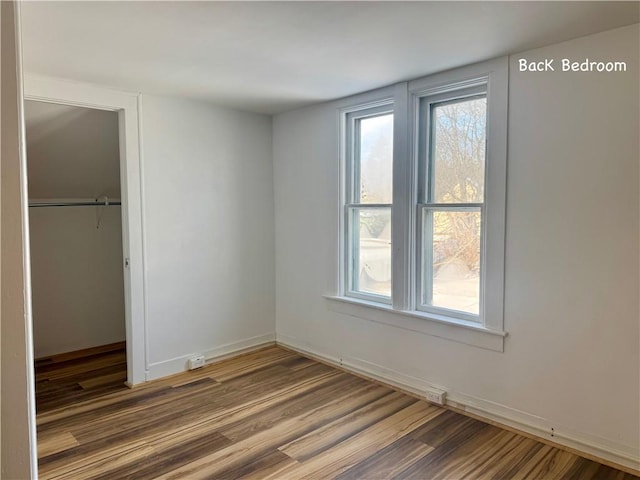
69,378
270,414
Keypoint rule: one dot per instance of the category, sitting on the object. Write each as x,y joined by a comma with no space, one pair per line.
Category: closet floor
68,378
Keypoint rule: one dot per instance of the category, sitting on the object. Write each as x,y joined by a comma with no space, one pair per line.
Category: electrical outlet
196,362
435,395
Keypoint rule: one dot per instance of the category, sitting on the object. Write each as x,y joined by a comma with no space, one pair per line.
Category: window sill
460,331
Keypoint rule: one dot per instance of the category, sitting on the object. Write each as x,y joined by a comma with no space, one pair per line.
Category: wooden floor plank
98,463
459,445
66,379
271,462
50,444
78,366
445,427
479,459
236,454
268,414
166,459
556,464
83,354
323,438
339,458
173,428
101,380
284,408
388,462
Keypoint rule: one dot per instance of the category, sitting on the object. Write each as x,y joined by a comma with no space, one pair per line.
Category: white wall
17,419
572,357
73,152
209,233
76,278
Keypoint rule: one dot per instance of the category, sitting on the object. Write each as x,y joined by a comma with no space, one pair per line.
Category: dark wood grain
269,414
69,378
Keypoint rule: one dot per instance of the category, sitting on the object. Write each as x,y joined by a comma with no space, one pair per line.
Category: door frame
127,105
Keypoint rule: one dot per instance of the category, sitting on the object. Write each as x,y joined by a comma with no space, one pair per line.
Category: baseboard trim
588,446
180,364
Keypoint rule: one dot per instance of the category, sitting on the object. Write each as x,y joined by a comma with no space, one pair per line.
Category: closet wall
76,252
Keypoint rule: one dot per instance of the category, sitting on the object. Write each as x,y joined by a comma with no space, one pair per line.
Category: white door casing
47,89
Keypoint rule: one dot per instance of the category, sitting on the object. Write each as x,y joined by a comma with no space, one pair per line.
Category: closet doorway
76,246
126,106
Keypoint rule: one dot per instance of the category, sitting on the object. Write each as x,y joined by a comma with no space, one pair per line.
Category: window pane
451,253
371,250
458,151
376,158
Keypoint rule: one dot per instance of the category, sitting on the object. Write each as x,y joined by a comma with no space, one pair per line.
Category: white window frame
487,331
352,165
423,147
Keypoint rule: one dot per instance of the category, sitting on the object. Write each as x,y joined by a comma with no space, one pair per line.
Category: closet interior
78,297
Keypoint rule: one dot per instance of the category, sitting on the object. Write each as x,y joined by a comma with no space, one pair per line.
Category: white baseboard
591,445
180,364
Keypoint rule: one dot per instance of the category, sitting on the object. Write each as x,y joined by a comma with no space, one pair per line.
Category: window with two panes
369,204
449,202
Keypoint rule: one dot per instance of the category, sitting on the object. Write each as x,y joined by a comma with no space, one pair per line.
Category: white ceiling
72,152
270,57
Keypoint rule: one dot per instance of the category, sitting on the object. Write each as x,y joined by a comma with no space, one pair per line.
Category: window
426,168
452,139
368,207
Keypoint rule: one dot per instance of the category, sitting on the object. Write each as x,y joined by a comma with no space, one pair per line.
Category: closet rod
75,204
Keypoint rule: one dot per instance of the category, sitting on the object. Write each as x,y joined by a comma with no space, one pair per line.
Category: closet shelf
92,203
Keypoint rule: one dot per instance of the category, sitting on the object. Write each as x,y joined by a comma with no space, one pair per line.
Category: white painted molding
594,445
180,364
43,88
55,90
143,236
425,323
26,254
589,444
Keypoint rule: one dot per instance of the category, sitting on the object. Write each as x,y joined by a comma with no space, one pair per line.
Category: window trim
469,333
403,313
458,92
349,116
